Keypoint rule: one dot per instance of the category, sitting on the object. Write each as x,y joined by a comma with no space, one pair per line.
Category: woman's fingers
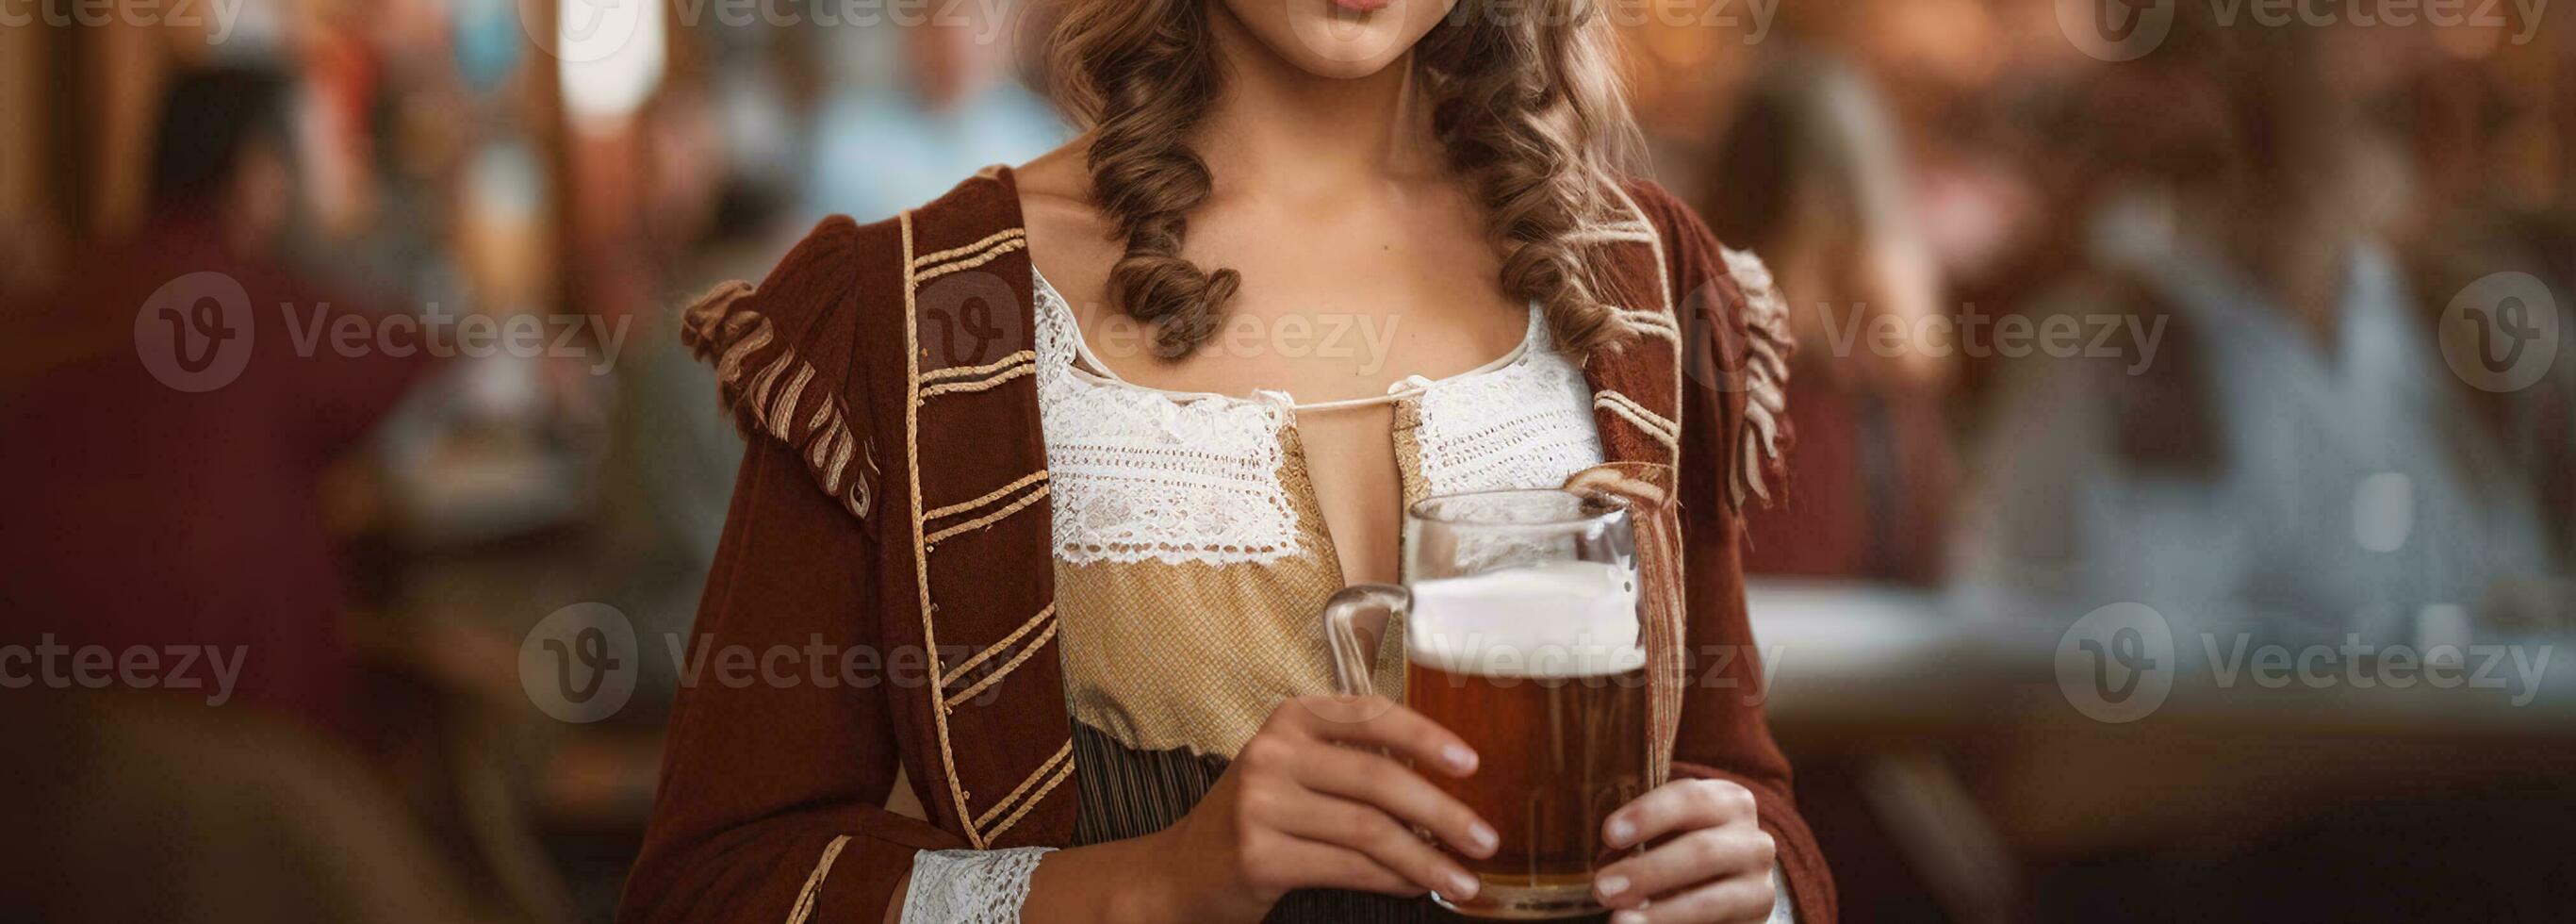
1290,862
1741,900
1374,722
1685,863
1681,805
1370,832
1398,791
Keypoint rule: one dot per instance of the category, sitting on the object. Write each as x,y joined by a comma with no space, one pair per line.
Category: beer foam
1557,620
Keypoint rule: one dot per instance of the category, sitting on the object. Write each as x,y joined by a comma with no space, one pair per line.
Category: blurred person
171,421
206,478
2288,456
954,107
1810,175
1010,449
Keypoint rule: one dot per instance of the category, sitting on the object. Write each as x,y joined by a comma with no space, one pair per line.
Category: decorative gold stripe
1034,775
783,416
1672,307
1660,429
944,388
963,372
1035,645
1639,231
997,237
991,518
805,897
987,257
920,547
1061,774
997,647
997,494
1650,322
1652,420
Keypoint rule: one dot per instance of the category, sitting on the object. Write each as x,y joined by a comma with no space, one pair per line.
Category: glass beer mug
1519,614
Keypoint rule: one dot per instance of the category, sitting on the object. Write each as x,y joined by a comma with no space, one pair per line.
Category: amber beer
1540,669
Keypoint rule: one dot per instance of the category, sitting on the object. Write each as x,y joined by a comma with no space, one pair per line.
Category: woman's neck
1283,130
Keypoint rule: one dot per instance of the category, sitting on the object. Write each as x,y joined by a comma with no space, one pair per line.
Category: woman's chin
1347,51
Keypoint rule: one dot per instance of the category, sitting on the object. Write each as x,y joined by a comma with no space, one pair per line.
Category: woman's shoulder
1697,256
1737,322
800,356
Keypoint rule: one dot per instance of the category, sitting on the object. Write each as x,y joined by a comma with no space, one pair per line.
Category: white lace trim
1528,425
1139,474
1144,474
970,886
1782,911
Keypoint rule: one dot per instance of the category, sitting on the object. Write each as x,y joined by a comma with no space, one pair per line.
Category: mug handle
1354,619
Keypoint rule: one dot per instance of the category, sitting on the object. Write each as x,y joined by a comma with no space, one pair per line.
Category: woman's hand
1713,866
1307,803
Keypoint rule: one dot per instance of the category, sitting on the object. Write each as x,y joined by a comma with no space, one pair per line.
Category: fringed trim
1765,439
771,391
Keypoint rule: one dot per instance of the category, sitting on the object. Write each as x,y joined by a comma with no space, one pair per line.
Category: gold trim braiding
1650,322
1062,774
1637,230
996,238
921,547
804,907
960,372
988,256
1061,754
997,494
1035,645
1672,308
990,518
1663,431
945,388
950,676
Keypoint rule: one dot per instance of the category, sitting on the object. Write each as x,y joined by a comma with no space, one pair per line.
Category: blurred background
2180,524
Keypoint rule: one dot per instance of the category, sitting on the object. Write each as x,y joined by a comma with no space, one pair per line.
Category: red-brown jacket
894,503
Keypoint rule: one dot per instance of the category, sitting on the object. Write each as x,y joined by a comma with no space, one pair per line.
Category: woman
1069,459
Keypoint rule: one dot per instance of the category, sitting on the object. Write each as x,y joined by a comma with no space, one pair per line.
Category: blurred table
1970,755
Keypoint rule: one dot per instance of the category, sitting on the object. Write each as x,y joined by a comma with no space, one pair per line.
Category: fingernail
1483,835
1461,885
1612,885
1628,917
1621,832
1459,757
